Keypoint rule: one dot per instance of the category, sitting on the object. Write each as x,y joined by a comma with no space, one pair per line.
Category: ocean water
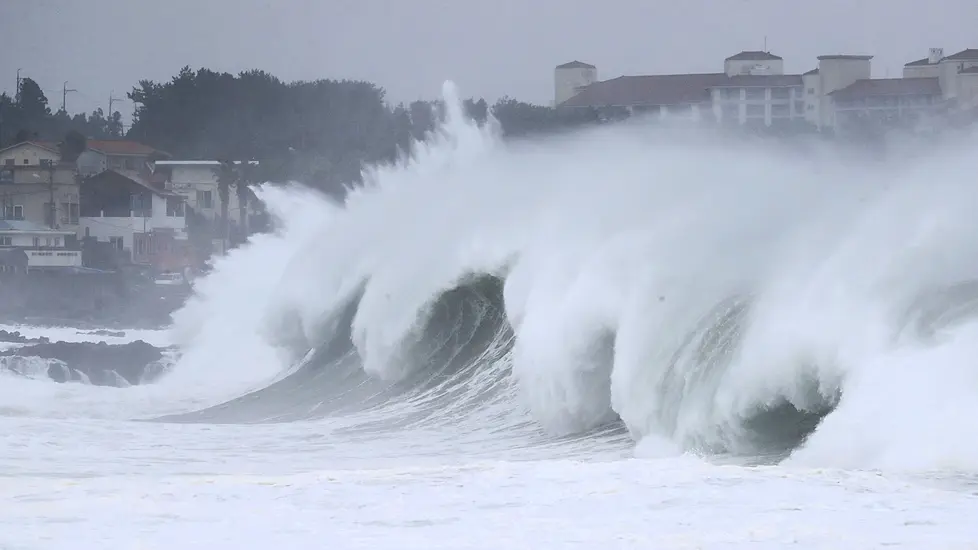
631,337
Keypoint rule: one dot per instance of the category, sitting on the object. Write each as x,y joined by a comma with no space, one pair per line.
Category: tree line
320,132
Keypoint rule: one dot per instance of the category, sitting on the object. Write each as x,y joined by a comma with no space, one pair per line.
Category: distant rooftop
576,65
753,55
845,57
919,62
760,81
121,147
970,54
876,87
666,89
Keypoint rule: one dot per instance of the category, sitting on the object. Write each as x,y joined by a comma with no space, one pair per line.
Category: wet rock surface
99,363
14,337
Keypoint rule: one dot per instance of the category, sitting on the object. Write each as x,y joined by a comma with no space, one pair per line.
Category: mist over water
700,293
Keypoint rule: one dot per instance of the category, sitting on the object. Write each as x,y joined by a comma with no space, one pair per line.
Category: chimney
935,55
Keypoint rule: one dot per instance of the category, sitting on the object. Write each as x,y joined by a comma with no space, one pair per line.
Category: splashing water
707,295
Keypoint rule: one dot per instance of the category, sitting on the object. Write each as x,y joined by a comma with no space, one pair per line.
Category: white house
196,181
123,209
44,247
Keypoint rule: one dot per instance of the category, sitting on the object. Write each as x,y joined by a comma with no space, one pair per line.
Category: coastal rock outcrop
97,363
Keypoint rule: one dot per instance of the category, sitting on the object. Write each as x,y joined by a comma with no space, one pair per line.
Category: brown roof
924,61
576,65
753,55
888,87
120,147
628,91
846,57
760,81
971,54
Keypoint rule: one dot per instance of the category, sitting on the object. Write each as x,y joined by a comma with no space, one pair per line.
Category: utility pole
53,210
17,89
64,96
112,100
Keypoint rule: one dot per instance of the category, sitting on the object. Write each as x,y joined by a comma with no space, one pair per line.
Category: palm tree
226,177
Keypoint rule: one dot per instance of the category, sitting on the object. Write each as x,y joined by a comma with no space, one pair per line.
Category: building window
8,162
755,94
37,242
204,199
6,241
57,241
174,207
69,213
811,91
780,111
142,205
780,93
116,242
13,212
27,161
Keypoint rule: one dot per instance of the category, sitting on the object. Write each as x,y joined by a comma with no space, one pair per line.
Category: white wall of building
54,258
948,75
968,89
735,67
27,155
568,81
194,181
836,72
103,228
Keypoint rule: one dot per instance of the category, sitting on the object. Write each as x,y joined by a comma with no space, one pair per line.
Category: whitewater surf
509,317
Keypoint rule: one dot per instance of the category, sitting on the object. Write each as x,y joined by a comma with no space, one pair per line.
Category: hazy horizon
506,48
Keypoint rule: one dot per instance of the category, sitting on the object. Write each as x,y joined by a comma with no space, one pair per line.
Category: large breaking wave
702,294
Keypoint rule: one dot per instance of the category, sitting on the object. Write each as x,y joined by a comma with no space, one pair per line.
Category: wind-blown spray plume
726,297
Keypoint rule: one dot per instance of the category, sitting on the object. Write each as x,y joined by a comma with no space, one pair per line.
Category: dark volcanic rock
102,363
18,338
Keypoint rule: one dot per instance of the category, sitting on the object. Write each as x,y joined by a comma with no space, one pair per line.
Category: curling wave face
720,297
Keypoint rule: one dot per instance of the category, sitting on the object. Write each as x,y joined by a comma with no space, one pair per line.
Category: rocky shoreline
97,363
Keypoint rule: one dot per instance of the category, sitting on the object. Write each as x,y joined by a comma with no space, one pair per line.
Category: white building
571,78
196,181
44,247
753,89
128,212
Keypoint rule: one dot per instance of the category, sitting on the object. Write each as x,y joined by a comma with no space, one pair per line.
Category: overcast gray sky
490,48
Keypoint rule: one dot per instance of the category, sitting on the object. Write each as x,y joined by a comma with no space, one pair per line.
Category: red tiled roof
971,54
628,91
576,65
753,55
120,147
887,87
